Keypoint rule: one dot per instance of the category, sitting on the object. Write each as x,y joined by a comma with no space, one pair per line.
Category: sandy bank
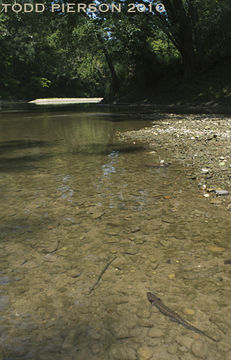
61,101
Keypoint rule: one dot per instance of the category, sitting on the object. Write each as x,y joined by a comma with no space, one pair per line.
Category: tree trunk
114,77
181,34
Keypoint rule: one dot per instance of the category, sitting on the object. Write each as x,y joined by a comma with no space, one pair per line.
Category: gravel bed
201,142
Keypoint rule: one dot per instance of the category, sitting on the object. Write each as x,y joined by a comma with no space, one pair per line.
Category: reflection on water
83,238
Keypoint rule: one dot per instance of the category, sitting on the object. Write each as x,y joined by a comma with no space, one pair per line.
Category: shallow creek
87,230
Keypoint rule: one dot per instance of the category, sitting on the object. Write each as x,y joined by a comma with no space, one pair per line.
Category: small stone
206,195
4,280
216,249
97,214
122,352
221,192
200,349
143,313
171,276
172,348
121,332
189,311
222,163
165,242
135,229
145,352
184,341
204,171
95,348
3,302
156,333
69,340
74,273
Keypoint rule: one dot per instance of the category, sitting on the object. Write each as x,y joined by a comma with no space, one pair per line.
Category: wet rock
143,313
165,242
121,332
95,348
14,350
94,334
172,348
74,273
200,349
145,352
187,356
204,171
135,229
222,163
69,340
3,302
139,332
95,212
121,352
216,249
156,333
160,353
221,192
184,341
171,276
228,355
4,280
131,250
189,311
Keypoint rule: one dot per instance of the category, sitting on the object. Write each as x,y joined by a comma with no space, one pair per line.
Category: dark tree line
108,54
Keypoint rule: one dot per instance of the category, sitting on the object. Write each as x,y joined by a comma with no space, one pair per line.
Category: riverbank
201,142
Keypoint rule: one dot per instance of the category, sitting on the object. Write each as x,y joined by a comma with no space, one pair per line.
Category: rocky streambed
201,142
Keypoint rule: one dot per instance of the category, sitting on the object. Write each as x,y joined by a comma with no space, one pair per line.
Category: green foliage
56,54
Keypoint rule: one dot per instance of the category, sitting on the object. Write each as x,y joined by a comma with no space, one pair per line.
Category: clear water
86,230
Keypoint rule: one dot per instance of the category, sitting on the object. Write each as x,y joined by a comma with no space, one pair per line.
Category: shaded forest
183,51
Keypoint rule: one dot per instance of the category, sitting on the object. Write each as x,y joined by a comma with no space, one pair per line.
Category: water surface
86,230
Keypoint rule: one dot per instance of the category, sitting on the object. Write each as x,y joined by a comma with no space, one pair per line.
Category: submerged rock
221,192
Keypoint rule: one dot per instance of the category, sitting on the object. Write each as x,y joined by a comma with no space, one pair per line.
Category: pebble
95,348
143,313
200,349
69,340
156,333
221,192
187,356
204,171
145,353
184,341
121,331
172,348
4,280
189,311
3,302
135,229
216,249
165,242
171,276
122,352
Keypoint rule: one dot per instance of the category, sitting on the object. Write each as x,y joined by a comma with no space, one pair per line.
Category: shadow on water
20,163
12,145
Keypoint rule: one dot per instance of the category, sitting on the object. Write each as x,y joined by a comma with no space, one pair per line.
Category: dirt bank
202,142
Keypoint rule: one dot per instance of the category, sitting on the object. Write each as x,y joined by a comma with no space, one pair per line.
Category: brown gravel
201,142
